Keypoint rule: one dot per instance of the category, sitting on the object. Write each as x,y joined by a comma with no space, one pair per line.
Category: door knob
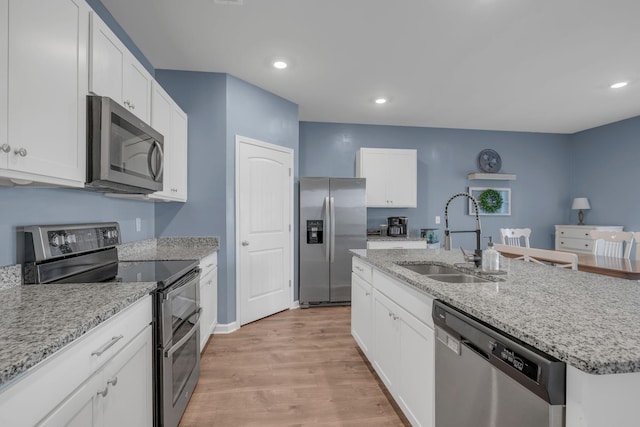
22,152
245,243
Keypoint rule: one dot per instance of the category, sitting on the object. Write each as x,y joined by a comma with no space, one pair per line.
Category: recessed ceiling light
280,65
380,100
618,85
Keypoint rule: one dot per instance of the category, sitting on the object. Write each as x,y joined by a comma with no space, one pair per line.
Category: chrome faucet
477,257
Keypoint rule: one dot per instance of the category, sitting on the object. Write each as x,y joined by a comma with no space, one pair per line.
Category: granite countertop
168,248
587,320
38,320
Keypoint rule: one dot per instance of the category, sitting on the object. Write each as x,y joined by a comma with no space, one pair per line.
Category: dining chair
616,244
512,236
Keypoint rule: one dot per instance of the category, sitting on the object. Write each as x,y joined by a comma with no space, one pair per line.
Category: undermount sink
457,278
429,269
442,273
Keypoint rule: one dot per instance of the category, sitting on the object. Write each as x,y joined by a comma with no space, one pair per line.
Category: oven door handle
176,287
184,339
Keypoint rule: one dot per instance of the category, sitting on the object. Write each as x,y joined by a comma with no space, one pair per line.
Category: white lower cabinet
208,297
402,340
120,394
102,379
397,244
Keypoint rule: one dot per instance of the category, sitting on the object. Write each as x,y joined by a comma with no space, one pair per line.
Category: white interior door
264,214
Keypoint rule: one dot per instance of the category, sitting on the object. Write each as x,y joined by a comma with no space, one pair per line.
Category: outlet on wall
138,224
437,219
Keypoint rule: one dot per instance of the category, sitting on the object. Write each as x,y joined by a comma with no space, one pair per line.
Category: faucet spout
447,233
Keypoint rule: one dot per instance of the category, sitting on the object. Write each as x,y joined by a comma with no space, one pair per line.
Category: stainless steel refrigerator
333,219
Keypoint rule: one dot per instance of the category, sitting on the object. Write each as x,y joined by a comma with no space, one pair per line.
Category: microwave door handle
156,146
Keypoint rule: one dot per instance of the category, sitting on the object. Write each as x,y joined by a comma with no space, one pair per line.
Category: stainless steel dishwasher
486,378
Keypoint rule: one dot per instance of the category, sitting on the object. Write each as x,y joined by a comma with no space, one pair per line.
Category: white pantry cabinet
116,73
402,339
103,378
44,84
168,119
208,297
392,176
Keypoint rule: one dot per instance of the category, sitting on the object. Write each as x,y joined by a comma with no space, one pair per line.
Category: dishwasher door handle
475,349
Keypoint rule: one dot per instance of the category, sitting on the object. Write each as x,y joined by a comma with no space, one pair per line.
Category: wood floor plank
295,368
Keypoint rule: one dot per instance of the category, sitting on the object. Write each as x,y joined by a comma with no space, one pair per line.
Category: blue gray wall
445,157
605,168
219,108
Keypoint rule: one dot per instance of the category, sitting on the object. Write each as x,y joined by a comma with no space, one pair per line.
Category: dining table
605,265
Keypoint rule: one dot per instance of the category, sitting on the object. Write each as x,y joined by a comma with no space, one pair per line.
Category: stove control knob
56,240
110,233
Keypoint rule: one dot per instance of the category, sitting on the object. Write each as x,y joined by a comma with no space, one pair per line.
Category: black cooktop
163,272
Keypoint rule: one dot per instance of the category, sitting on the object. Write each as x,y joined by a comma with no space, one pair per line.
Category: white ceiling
528,65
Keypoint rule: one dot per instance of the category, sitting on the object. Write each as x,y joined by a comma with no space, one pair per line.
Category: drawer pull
113,381
104,392
107,346
359,268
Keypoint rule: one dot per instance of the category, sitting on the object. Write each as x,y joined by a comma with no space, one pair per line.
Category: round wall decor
489,161
490,201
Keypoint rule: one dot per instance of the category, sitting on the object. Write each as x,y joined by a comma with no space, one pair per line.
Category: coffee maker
397,226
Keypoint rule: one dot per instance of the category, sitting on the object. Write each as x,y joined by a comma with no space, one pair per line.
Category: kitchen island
585,320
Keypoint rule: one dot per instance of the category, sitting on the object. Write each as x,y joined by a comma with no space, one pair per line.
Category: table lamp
580,203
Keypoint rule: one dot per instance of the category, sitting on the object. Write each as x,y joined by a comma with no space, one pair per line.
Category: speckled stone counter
10,276
587,320
168,248
38,320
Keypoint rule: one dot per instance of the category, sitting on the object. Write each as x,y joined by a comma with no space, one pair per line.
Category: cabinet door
128,376
136,91
5,147
107,59
417,370
373,167
361,313
206,315
386,340
80,409
161,116
47,69
401,169
180,154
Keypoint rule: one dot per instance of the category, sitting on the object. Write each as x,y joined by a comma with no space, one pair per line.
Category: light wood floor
295,368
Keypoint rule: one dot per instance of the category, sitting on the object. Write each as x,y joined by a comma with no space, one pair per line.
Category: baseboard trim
294,305
226,328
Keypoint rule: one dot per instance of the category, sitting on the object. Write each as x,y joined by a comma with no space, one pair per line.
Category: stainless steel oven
178,349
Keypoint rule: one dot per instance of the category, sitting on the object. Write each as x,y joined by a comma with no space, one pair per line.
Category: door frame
289,151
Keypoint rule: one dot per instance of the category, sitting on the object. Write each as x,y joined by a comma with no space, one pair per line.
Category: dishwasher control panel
516,361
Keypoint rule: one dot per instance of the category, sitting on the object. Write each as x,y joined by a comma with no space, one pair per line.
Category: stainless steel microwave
124,154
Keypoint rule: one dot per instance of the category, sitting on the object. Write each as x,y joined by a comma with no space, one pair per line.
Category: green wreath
490,201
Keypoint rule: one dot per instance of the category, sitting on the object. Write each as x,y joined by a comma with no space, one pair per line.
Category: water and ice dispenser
315,232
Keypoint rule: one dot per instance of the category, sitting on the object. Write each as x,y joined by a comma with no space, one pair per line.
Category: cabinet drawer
573,233
362,269
574,245
208,264
413,301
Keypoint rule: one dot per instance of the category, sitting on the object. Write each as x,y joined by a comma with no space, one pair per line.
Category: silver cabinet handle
104,392
113,381
5,148
22,152
107,346
245,243
359,268
366,294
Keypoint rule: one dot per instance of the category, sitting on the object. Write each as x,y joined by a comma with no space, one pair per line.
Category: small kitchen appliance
87,253
397,226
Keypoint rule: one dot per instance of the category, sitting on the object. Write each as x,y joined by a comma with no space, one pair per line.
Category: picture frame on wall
496,200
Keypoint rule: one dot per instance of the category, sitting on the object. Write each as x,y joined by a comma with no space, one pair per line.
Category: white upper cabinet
116,73
391,176
43,88
168,119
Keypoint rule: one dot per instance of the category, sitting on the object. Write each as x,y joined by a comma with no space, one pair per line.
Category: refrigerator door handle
327,240
333,229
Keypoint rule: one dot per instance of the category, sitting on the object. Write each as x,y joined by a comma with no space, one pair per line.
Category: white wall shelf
493,176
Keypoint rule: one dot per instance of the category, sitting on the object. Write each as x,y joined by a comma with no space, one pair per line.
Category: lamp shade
580,203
